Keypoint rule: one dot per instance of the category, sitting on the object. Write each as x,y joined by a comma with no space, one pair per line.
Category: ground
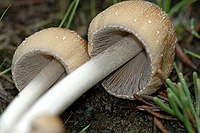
96,107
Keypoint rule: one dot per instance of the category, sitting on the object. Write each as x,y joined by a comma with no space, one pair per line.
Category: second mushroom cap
152,29
63,45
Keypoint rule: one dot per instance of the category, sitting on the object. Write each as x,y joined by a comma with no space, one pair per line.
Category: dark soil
102,111
108,114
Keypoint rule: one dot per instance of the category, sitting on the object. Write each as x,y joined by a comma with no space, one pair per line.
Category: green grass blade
115,1
5,71
192,53
185,87
66,14
185,105
172,86
174,106
166,108
186,120
182,4
159,2
192,26
183,82
196,81
176,68
72,14
196,92
188,104
175,98
84,129
166,6
92,8
3,14
181,93
180,101
2,63
187,93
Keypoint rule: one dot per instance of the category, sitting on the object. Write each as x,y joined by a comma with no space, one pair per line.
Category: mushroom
134,36
40,61
47,124
152,28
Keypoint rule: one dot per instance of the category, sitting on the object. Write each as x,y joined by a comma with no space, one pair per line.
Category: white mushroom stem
49,75
63,94
47,124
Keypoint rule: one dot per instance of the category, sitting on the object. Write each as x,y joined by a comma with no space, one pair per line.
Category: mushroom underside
28,66
130,78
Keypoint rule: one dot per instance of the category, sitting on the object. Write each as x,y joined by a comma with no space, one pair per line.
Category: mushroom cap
63,45
153,28
47,124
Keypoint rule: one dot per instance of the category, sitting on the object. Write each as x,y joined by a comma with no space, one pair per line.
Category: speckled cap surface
33,54
152,27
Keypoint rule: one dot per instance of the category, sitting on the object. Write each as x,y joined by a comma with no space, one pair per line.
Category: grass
177,13
3,14
192,27
72,9
84,129
8,69
116,1
192,53
92,8
181,104
5,71
171,11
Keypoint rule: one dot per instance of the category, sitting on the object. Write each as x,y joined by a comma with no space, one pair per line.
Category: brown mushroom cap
153,28
47,124
66,46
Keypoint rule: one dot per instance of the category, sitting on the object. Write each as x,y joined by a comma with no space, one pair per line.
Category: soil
102,111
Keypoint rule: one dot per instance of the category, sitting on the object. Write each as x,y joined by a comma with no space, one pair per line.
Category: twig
156,114
160,125
144,99
184,57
